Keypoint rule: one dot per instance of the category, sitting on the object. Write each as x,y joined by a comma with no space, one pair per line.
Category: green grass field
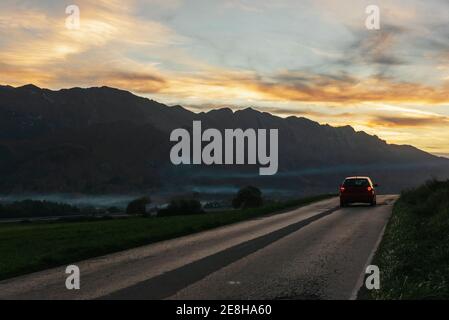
29,247
414,254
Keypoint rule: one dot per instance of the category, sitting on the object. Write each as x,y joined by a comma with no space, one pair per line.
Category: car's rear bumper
357,198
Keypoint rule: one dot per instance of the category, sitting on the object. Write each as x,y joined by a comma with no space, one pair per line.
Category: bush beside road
414,254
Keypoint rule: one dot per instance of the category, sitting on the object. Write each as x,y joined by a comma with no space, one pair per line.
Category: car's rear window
356,183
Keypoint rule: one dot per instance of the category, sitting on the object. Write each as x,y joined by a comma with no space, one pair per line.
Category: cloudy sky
311,58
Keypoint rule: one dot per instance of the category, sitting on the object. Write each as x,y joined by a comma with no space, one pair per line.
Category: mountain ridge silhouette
102,139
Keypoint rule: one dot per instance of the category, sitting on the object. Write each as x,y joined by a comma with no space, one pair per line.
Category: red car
357,190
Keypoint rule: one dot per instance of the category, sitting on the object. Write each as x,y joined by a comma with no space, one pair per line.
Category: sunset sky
311,58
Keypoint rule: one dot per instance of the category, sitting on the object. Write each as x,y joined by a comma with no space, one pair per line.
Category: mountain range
106,140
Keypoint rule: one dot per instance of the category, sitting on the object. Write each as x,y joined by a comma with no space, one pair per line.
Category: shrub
414,253
35,208
248,197
182,207
114,210
138,206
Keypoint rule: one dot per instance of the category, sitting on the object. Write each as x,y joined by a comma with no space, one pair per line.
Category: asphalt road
316,252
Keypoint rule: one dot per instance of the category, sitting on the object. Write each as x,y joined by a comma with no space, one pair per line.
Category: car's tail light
342,189
370,189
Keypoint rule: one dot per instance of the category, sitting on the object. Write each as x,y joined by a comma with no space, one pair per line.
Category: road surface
315,252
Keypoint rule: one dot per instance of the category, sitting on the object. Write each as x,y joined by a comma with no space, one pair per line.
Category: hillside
101,140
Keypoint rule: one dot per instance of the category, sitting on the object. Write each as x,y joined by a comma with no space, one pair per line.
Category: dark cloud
139,82
376,49
307,112
392,121
136,76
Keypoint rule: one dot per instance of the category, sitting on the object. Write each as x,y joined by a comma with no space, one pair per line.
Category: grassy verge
414,254
29,247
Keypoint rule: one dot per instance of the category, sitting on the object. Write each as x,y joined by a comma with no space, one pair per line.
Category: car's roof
358,177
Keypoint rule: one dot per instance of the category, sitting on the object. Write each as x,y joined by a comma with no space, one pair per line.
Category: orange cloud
398,121
40,50
303,87
318,88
